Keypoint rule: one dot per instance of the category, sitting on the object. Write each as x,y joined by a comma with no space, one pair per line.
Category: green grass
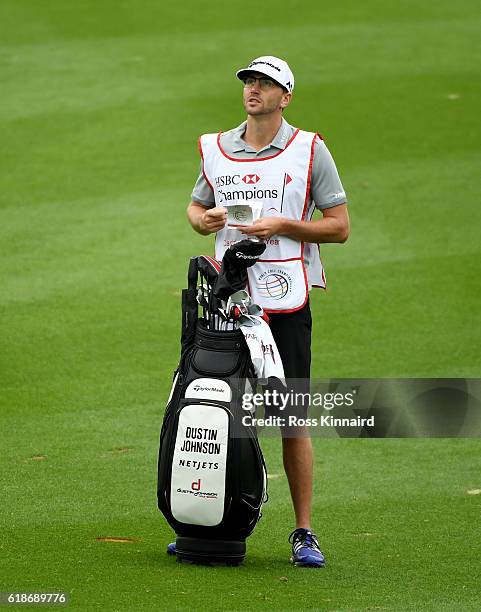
400,531
100,107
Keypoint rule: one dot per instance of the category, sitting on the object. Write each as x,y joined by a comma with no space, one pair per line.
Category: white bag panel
172,388
210,389
197,489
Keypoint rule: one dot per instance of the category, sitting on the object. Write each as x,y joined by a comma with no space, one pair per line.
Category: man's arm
206,220
333,227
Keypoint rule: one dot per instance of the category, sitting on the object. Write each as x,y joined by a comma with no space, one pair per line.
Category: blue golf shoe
305,549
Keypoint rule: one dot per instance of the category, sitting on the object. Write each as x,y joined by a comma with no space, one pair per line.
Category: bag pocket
216,362
199,464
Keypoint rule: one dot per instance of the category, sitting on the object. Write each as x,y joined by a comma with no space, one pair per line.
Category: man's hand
333,227
206,220
214,219
264,228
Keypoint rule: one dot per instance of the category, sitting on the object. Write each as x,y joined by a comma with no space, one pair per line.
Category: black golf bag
211,472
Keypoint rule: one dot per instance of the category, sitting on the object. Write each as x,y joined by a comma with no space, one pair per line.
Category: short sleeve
202,192
326,187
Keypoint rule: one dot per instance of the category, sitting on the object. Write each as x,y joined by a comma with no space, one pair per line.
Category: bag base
210,552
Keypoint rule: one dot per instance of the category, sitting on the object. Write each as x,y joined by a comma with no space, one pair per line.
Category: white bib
280,281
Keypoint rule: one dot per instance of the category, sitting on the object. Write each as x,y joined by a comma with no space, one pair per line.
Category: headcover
208,267
233,273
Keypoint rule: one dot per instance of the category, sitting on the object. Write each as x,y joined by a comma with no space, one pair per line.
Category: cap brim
245,72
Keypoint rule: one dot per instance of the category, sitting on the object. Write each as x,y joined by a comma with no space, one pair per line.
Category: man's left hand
264,228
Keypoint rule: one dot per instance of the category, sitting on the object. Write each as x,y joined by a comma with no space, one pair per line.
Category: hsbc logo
227,179
235,179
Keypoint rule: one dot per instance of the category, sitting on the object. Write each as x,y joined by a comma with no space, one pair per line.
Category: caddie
291,172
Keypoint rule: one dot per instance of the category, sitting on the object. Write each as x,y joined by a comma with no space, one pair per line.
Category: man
291,172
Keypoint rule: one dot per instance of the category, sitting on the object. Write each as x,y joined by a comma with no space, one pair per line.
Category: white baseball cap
272,67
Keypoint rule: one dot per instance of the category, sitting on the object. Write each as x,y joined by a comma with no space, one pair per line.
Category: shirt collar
279,141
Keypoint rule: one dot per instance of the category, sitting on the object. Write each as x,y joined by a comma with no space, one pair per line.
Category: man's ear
286,98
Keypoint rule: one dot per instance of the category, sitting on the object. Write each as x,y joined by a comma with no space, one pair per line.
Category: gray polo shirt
326,187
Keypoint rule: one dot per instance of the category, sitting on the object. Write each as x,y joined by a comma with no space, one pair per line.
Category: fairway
101,104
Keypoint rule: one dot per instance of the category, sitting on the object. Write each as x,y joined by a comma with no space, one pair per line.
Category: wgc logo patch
274,284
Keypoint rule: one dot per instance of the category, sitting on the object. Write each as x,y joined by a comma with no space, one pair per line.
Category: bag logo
198,388
198,494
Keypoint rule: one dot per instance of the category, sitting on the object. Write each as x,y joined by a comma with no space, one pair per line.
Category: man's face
263,96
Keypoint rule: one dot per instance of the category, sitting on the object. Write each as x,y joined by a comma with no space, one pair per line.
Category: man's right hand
214,219
206,220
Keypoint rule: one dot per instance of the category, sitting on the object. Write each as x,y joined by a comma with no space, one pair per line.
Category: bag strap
189,306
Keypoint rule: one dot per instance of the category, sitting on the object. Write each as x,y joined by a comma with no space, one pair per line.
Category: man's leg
297,456
292,333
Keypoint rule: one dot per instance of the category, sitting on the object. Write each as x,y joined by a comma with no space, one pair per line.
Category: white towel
265,355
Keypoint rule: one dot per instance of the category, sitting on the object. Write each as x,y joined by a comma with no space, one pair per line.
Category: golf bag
211,472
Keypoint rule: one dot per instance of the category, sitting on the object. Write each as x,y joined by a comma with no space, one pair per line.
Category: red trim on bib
255,159
303,216
248,285
309,176
306,282
323,273
286,311
278,260
202,157
304,271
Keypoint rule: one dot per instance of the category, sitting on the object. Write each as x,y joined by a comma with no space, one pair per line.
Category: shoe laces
303,537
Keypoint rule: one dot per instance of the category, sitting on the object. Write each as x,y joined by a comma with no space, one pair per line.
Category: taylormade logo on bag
198,388
208,388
